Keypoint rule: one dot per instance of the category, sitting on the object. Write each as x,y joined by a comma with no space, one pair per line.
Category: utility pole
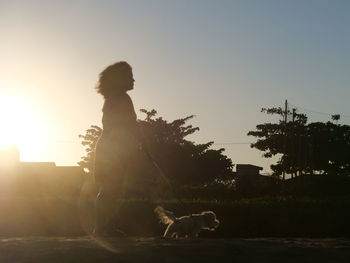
285,135
285,111
293,144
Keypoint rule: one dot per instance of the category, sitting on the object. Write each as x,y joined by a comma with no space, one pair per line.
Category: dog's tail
165,216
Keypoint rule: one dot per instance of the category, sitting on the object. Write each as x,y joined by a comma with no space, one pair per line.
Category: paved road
87,249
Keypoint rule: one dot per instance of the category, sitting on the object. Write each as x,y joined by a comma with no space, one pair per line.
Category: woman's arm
134,125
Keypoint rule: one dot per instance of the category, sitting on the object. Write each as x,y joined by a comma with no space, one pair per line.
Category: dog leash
165,178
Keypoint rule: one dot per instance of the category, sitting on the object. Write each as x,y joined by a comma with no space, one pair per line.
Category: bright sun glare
21,126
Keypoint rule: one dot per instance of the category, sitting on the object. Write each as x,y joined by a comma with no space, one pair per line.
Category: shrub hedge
260,217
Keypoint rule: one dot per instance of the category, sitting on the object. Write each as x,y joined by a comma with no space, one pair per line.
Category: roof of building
43,166
37,164
248,166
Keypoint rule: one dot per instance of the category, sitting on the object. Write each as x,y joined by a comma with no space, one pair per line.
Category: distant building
248,179
247,170
38,178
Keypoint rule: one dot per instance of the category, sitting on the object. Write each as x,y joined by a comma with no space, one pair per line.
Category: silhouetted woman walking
120,139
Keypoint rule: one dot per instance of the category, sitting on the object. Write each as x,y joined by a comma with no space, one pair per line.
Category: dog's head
209,220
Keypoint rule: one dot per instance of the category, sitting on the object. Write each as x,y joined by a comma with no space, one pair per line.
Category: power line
62,141
319,112
215,143
228,143
231,143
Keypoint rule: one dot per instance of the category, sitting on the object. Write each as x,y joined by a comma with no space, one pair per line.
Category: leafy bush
274,217
259,217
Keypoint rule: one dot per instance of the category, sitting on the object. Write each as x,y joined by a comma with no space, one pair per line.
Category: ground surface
87,249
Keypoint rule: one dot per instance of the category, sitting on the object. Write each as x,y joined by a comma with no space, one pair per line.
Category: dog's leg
169,232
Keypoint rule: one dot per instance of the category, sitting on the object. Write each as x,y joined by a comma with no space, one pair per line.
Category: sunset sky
219,60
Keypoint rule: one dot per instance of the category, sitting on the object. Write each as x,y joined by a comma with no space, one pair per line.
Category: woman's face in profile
126,81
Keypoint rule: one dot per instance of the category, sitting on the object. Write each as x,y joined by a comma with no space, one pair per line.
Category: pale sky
219,60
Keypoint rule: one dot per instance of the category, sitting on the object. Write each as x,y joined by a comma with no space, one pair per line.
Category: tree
183,161
89,141
304,148
330,147
336,117
281,139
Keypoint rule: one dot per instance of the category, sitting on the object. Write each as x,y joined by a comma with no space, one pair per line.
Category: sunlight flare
21,126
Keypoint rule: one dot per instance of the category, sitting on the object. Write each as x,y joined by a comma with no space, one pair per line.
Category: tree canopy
183,161
305,148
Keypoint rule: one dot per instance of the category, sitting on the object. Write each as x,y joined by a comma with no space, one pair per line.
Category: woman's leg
110,192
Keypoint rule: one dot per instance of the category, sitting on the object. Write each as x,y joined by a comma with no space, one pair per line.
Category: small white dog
186,226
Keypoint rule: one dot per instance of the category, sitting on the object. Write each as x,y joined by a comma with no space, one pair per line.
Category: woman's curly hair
109,76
